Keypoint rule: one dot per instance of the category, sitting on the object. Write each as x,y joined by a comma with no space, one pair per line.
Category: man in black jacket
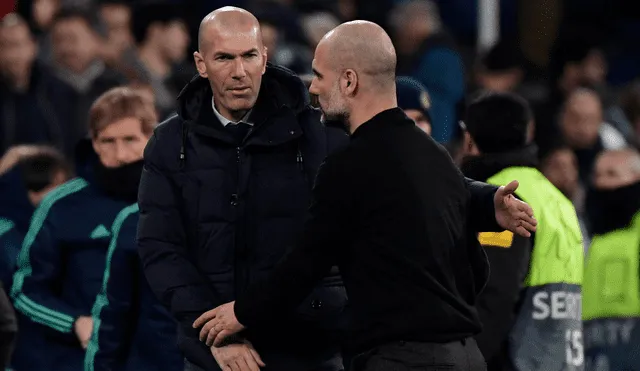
391,210
224,194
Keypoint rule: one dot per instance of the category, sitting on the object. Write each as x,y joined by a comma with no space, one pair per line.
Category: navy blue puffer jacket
216,216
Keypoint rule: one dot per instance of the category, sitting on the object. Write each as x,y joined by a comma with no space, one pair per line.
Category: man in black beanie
414,99
532,299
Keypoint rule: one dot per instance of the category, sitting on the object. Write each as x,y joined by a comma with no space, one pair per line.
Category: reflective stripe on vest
611,307
547,334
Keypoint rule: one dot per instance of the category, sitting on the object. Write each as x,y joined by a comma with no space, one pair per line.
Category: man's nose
312,88
122,154
239,70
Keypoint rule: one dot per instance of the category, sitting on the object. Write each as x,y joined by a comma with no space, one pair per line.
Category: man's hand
83,327
237,357
218,324
513,214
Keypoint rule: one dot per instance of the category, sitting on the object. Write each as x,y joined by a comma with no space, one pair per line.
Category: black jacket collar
282,96
485,166
393,116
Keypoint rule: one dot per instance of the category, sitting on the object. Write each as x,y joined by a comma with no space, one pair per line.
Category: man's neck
153,60
370,108
235,116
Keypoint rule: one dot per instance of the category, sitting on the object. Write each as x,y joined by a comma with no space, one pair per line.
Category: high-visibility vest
611,307
547,335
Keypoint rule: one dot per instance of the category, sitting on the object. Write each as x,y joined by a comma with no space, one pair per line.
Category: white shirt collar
225,121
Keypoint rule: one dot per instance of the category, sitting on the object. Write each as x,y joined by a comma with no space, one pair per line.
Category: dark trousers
412,356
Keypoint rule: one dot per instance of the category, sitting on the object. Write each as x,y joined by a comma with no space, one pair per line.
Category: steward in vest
611,306
530,308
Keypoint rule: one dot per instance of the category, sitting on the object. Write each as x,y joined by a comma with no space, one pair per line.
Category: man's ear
202,68
264,60
531,131
469,147
349,83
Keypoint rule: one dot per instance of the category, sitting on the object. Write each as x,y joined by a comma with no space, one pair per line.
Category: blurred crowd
577,63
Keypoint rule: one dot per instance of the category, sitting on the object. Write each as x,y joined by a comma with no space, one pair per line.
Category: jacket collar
282,96
393,116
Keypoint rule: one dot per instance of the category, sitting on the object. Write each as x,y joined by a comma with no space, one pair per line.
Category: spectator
500,69
525,272
316,25
63,257
34,105
35,172
39,14
77,62
585,132
243,190
611,279
630,105
427,53
560,166
576,61
161,41
281,52
18,193
39,173
116,15
414,99
612,199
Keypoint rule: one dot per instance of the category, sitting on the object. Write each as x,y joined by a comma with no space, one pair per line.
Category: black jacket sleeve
482,209
8,328
325,234
509,257
162,245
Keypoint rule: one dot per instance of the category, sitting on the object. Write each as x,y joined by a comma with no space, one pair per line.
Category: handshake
218,325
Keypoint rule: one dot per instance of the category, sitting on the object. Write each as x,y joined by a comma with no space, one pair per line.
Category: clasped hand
217,325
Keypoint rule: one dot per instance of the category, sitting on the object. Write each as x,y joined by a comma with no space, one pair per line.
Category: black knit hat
411,94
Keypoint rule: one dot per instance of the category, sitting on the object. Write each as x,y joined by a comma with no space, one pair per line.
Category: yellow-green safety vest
611,300
547,335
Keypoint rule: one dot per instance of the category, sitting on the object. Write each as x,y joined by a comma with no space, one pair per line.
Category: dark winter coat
216,215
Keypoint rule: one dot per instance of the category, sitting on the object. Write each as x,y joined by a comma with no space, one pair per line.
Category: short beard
339,120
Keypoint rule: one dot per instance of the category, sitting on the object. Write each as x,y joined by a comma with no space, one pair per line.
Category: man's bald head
364,47
228,19
618,168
